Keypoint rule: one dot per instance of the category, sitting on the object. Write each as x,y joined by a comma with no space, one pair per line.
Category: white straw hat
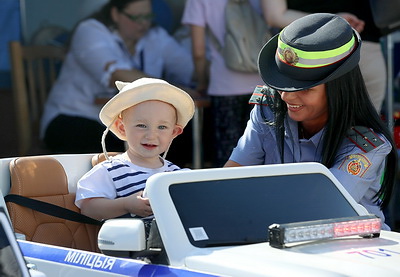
146,89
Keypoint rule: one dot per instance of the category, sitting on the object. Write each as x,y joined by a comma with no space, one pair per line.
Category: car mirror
122,236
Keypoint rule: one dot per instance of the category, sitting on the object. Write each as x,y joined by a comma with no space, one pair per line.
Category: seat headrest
38,176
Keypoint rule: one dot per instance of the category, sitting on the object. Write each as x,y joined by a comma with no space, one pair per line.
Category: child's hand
136,204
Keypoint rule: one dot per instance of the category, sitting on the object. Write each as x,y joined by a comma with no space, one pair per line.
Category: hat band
313,59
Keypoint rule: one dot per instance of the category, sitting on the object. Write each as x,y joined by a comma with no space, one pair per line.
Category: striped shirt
116,178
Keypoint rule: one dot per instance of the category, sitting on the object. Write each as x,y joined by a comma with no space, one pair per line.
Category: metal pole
22,8
389,95
197,138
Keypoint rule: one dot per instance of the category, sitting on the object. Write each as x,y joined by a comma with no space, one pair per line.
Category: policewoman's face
310,107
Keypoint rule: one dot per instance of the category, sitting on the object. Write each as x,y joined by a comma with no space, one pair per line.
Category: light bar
282,234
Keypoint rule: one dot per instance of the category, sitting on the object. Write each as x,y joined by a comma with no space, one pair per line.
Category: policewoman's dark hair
348,105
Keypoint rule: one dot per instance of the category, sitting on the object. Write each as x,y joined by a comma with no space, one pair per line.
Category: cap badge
289,56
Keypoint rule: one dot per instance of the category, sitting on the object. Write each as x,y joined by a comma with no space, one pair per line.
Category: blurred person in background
229,90
119,42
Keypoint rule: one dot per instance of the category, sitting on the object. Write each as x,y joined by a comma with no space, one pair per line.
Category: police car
268,220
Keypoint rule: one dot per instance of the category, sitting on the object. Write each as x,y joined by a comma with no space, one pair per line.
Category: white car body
197,210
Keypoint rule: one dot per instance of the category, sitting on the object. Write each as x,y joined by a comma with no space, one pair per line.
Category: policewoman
315,108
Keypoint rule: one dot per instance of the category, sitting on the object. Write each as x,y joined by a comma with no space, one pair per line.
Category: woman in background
119,42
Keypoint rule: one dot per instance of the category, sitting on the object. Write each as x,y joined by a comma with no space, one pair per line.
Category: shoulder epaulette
259,96
364,138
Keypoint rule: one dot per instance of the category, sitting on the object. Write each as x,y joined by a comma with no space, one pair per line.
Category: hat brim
271,75
131,96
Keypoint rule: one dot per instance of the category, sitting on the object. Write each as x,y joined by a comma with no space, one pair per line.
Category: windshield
239,211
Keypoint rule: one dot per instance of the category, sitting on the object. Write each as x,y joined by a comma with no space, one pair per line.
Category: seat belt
51,209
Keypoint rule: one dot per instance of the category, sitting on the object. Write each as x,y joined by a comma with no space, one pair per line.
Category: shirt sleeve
250,149
359,172
95,183
96,49
194,13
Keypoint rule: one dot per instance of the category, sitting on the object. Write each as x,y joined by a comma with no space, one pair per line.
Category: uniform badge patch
290,56
258,97
355,164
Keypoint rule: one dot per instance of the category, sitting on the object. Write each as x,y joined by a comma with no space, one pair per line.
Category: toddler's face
149,128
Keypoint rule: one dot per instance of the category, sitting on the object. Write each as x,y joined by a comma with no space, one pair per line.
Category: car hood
353,256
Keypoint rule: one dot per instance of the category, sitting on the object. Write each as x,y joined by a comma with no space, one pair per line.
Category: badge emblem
354,167
289,56
356,164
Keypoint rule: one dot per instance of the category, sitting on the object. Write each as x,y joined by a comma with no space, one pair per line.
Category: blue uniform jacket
358,167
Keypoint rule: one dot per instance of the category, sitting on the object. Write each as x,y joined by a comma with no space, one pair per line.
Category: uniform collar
291,131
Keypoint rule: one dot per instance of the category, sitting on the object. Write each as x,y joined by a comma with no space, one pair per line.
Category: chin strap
166,151
103,139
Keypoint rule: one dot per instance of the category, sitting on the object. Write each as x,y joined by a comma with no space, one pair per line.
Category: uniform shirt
223,82
116,178
358,171
83,77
